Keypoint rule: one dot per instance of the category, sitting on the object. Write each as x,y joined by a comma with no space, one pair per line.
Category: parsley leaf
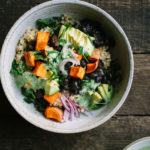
29,95
62,42
35,52
80,51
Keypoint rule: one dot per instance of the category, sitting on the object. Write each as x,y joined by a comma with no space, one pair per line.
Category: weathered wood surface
133,16
16,134
131,121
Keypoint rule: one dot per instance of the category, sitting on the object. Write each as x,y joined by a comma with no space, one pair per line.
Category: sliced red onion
74,60
77,113
66,115
71,108
64,104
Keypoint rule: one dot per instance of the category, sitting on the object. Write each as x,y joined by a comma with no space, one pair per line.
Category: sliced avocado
102,93
78,38
51,87
90,93
96,97
108,90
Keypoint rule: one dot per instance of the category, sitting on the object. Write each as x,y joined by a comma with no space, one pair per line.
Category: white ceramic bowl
79,10
139,144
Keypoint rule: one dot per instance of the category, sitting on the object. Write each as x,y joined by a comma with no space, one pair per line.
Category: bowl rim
136,142
110,18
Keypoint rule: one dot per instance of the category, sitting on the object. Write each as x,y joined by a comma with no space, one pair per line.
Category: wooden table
131,122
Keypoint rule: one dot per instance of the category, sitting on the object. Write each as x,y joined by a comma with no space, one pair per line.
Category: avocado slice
103,94
90,93
78,38
108,90
96,97
51,87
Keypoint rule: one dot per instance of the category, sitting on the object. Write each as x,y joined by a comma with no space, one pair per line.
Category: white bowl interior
79,11
139,144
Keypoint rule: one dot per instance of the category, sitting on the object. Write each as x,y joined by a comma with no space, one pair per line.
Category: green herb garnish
80,51
35,52
62,42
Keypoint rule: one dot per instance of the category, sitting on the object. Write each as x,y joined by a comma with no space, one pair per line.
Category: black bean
93,75
86,77
98,79
76,91
98,42
39,94
100,64
77,26
104,80
54,40
59,48
68,65
83,63
66,87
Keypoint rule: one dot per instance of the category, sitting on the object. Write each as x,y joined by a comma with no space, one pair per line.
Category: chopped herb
14,68
52,52
35,52
70,46
68,25
40,57
80,51
29,95
62,42
85,58
53,23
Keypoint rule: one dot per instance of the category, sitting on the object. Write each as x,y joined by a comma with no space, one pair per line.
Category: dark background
131,122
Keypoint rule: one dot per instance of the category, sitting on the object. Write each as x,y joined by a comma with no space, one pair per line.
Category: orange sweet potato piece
79,56
40,69
91,67
95,55
54,113
51,98
77,72
42,40
30,60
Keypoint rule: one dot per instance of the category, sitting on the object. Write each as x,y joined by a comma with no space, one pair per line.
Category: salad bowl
140,144
79,10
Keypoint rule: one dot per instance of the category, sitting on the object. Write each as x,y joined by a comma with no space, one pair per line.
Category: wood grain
115,134
132,15
138,101
132,120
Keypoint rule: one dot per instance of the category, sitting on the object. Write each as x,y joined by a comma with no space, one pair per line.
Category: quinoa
29,36
105,56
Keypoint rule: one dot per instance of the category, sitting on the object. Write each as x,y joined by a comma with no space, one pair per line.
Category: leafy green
19,68
80,51
53,23
35,52
62,42
23,79
41,57
84,99
29,95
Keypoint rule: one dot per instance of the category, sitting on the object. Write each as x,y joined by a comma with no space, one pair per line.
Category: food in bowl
64,67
